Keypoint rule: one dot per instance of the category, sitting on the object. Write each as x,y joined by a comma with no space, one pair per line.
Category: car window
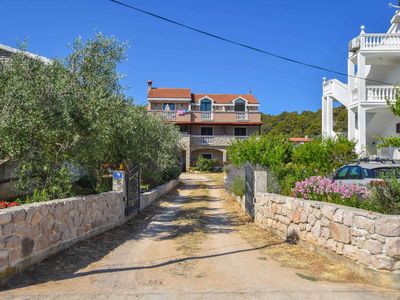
382,172
355,173
342,173
368,173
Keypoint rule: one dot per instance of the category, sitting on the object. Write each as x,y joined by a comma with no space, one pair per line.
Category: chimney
149,85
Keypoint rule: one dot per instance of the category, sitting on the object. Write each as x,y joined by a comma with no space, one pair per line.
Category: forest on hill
294,124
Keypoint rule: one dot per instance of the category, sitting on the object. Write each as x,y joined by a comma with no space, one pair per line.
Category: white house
373,71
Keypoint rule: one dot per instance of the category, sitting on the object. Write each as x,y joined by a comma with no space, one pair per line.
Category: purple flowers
324,189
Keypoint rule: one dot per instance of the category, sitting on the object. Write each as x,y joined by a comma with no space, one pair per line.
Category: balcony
381,93
375,42
214,140
226,117
173,116
209,116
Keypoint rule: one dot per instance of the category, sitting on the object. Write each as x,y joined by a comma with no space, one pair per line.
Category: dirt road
195,244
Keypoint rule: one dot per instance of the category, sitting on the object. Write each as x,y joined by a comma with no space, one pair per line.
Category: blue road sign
117,175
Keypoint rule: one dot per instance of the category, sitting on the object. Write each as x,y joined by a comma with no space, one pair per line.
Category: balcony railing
207,116
206,140
379,41
242,116
354,95
381,93
169,115
215,140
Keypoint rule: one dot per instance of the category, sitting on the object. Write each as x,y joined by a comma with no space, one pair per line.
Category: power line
295,61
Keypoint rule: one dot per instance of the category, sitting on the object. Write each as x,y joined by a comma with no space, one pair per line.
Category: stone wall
30,233
146,199
370,240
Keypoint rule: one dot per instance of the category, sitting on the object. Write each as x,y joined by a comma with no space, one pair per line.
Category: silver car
365,171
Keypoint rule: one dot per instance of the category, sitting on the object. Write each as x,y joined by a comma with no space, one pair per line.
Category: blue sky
314,31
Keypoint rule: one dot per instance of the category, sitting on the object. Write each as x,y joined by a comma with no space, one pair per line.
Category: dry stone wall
30,233
368,238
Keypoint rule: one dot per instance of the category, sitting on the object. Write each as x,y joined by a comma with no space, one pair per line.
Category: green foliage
73,112
386,195
391,141
205,164
322,157
289,164
395,105
293,124
268,150
37,196
238,186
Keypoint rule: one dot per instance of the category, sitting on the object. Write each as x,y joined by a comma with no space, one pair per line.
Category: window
184,128
207,155
355,173
240,105
206,131
205,105
342,173
168,106
240,131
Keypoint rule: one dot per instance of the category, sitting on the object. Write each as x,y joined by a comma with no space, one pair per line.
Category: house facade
373,72
208,122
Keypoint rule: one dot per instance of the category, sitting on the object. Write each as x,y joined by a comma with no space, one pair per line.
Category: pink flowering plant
325,189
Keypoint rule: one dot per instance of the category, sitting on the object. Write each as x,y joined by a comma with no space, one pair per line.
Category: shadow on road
157,223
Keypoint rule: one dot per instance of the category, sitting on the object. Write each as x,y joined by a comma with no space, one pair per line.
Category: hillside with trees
308,123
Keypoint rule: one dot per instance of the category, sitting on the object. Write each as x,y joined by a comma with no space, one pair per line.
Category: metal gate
249,189
132,189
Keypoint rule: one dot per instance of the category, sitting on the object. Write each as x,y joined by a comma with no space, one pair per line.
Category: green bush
238,186
322,157
289,163
205,164
386,195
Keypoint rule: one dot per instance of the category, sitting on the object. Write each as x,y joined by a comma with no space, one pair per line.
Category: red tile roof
225,98
180,93
169,93
300,139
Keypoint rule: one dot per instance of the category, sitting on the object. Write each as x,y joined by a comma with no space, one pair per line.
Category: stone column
260,182
187,160
223,155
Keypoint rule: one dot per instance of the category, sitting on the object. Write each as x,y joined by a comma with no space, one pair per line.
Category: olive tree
73,112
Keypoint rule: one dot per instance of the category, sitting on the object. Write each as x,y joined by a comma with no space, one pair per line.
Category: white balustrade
381,93
380,41
169,115
242,116
354,95
208,115
206,140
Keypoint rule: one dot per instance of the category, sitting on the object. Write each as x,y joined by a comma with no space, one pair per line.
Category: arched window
240,105
205,105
